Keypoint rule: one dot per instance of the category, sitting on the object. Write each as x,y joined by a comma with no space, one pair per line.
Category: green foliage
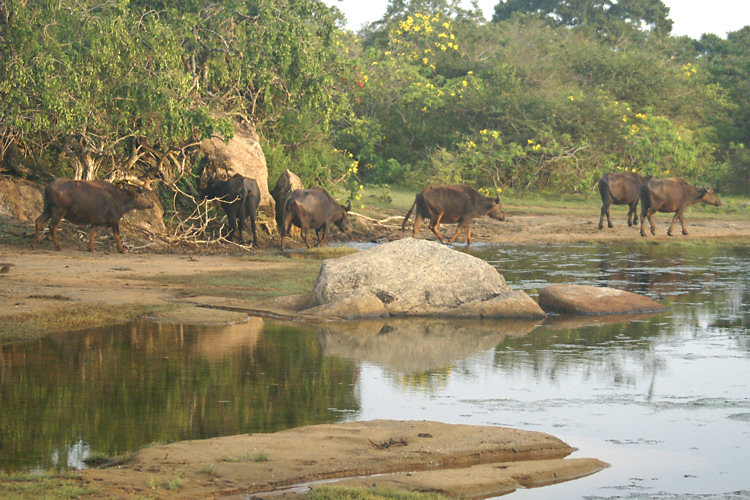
93,90
342,493
609,17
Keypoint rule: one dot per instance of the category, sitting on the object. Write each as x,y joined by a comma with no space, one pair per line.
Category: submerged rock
595,301
412,277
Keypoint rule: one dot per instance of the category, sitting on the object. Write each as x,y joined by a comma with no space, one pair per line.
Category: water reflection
416,352
121,389
664,398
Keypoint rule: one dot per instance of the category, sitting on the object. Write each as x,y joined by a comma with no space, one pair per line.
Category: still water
665,399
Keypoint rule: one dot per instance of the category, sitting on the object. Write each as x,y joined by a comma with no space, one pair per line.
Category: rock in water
412,277
595,300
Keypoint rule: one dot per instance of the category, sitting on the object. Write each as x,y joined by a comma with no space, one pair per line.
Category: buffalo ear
348,205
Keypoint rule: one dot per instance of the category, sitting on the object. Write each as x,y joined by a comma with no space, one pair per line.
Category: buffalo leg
647,214
241,216
286,225
54,226
417,224
232,219
116,232
322,241
674,219
92,235
434,227
605,211
44,217
304,237
682,223
633,213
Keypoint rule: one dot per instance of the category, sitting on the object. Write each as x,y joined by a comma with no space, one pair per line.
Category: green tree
608,17
728,65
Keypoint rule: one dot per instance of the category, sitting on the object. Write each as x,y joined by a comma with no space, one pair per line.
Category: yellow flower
530,141
464,83
495,134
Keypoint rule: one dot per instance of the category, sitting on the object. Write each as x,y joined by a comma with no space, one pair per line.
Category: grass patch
342,493
43,485
24,327
256,457
253,285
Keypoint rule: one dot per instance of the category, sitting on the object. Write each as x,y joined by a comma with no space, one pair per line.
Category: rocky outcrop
412,277
20,199
243,155
288,181
595,301
458,461
152,220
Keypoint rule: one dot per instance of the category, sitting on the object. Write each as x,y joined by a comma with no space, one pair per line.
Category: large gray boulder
595,301
412,277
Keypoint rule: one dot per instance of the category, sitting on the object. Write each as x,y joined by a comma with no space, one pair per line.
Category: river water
665,399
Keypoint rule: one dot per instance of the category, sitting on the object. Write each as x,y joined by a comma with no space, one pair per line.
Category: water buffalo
452,204
312,208
672,195
94,203
239,198
620,188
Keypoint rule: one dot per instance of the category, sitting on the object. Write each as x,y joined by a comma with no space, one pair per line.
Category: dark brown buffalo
94,203
620,188
312,208
239,198
452,204
672,195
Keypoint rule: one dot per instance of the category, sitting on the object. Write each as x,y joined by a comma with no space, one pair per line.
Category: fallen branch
380,222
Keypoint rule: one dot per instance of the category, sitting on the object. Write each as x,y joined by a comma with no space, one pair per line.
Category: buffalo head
140,195
495,211
708,196
342,221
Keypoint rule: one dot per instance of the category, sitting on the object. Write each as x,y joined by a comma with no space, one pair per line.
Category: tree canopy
548,95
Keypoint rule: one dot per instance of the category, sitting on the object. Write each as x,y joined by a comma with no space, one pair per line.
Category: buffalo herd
671,195
100,203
